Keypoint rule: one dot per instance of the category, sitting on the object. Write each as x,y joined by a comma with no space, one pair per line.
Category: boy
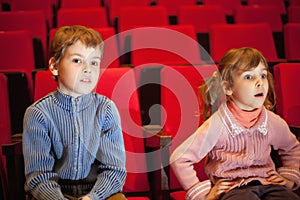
72,143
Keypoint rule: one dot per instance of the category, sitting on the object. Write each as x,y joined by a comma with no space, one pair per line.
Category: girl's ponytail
211,95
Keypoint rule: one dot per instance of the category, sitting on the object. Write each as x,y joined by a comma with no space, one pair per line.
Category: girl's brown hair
244,58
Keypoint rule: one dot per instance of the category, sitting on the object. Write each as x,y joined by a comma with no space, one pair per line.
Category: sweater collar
235,128
71,103
245,118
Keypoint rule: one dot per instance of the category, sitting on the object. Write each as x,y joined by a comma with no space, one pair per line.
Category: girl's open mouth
259,94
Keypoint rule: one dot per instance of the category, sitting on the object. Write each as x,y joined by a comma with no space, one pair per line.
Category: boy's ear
52,67
226,88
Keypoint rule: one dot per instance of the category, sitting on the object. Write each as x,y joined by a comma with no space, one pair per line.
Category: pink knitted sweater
236,153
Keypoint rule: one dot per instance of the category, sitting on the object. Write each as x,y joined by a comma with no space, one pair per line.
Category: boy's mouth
86,80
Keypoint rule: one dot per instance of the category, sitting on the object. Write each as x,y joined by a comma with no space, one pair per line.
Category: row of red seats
199,16
163,45
179,117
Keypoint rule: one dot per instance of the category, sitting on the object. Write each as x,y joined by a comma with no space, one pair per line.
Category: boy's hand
277,179
221,187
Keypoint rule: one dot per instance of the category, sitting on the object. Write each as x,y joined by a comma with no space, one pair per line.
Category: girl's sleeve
40,180
192,151
288,148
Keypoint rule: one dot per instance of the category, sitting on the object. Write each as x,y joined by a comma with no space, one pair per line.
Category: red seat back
163,45
46,6
114,7
79,4
224,37
292,41
293,14
44,84
181,108
5,129
33,21
18,54
91,17
229,5
119,85
172,6
260,14
202,16
131,17
279,3
286,77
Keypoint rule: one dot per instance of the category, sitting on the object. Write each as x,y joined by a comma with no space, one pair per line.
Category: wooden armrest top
155,137
14,148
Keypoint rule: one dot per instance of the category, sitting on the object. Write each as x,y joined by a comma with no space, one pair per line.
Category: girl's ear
226,88
52,66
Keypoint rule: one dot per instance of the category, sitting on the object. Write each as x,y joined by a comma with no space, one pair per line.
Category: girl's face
78,70
250,88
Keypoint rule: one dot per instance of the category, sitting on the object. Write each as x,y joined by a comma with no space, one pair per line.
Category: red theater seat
227,36
291,33
173,45
91,17
181,113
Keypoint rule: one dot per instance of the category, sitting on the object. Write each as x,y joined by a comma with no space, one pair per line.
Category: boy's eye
95,63
248,77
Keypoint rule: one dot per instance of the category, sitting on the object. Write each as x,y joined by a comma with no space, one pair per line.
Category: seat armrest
15,169
16,137
156,141
155,137
296,131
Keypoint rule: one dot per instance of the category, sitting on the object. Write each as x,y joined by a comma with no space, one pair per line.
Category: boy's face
78,70
250,88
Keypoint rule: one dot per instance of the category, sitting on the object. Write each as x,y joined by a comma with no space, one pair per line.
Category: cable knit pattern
237,153
199,190
65,137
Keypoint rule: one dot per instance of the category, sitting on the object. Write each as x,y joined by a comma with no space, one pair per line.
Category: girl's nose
259,83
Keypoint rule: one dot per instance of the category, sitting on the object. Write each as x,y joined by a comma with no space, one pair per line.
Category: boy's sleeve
111,154
40,180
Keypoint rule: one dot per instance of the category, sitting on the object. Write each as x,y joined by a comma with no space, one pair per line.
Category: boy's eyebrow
97,57
78,54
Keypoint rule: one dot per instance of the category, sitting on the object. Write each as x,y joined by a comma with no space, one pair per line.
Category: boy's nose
87,69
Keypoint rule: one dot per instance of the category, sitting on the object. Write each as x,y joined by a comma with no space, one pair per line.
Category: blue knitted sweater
67,138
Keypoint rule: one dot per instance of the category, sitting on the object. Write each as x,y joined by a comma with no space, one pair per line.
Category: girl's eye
264,76
76,60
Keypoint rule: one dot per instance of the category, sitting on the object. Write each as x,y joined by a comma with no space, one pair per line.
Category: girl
237,138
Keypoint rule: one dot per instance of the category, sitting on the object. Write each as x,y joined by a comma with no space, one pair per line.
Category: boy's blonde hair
236,59
68,35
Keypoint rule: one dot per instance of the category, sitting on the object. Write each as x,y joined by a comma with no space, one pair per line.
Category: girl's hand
86,198
221,187
277,179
